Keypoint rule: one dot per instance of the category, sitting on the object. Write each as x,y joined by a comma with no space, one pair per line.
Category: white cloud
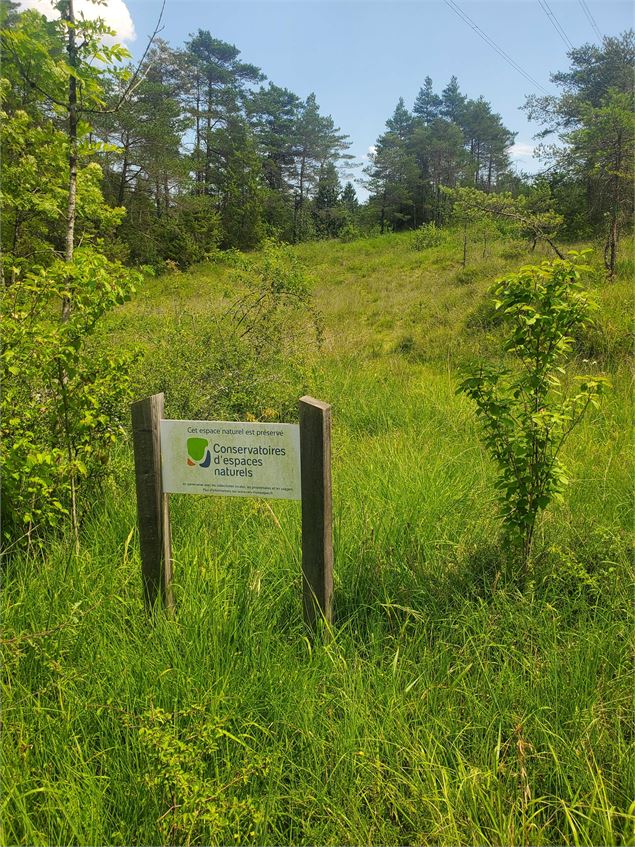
522,150
114,12
522,155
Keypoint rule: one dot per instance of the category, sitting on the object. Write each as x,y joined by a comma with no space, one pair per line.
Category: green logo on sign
198,452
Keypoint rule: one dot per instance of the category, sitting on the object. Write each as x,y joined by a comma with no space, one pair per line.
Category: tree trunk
157,196
382,219
610,249
207,179
124,171
197,146
71,49
478,163
297,221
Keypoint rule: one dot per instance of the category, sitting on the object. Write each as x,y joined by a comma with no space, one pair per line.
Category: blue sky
360,56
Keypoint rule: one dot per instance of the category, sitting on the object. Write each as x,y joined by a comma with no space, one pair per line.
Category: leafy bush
204,773
248,360
349,232
525,413
428,235
62,399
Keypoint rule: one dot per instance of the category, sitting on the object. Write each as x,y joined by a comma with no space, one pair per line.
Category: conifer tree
349,198
452,102
217,82
400,124
326,205
428,104
593,119
317,141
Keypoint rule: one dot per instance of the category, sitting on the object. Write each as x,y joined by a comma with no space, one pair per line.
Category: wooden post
317,517
152,503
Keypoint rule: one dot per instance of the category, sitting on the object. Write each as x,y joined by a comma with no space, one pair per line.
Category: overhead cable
556,23
457,10
590,18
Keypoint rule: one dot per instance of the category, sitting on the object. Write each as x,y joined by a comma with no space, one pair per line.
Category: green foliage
189,233
591,167
62,400
428,235
447,141
34,52
205,776
528,216
349,232
461,712
255,349
35,190
525,412
63,397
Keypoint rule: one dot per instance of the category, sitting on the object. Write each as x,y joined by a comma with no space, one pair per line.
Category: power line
555,22
590,18
457,10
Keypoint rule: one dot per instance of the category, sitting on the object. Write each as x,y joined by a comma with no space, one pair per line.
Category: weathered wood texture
317,512
152,504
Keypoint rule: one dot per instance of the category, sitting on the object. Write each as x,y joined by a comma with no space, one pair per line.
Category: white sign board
239,459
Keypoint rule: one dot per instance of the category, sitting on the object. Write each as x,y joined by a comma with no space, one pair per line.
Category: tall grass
444,707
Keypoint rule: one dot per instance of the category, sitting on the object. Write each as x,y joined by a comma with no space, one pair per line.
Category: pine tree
217,83
400,124
316,142
487,140
326,205
428,104
452,102
392,180
349,198
593,118
273,113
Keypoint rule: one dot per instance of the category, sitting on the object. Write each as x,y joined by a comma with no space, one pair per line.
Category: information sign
239,459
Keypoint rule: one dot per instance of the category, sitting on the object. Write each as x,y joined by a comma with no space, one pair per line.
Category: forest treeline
203,152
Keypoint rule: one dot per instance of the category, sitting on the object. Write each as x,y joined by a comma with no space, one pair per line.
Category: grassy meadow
445,706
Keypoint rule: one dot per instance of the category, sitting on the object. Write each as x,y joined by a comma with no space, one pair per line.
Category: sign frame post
153,507
317,510
312,486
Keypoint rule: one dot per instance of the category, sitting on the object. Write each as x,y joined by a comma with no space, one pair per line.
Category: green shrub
428,235
62,399
248,361
192,755
349,232
525,413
